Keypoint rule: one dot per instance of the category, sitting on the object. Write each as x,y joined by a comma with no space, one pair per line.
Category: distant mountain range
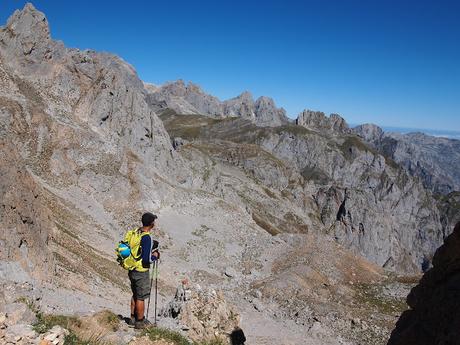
442,133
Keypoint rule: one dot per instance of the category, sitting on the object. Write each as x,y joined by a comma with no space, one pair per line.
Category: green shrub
156,333
176,338
45,322
72,339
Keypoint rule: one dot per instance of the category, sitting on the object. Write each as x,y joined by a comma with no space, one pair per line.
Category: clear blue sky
387,62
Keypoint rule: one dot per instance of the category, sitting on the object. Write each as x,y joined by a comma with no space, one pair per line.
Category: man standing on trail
147,252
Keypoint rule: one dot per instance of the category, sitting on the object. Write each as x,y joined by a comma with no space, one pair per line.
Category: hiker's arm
146,247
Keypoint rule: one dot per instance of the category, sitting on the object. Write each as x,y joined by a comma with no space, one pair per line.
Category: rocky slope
436,161
190,99
434,316
81,153
325,183
292,224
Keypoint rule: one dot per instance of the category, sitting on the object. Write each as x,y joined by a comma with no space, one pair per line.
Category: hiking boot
141,324
131,322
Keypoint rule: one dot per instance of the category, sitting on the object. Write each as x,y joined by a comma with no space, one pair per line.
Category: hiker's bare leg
133,306
139,309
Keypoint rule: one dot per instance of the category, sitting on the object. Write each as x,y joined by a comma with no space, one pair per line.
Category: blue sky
394,63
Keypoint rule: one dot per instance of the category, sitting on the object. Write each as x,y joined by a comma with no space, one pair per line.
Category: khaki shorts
140,284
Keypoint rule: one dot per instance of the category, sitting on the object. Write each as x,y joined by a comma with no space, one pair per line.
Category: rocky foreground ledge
193,317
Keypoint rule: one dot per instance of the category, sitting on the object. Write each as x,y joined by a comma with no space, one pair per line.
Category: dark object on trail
237,337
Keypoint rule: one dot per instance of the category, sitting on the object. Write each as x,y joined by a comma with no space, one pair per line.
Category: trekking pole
156,291
151,283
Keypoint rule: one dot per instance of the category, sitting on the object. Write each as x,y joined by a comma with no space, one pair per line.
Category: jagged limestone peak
246,95
28,28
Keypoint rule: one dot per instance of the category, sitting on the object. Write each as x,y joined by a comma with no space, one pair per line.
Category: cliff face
364,201
25,220
435,160
333,182
75,130
93,91
434,315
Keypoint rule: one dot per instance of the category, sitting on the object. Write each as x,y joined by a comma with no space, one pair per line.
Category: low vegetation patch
157,333
82,331
108,320
314,174
351,143
46,322
369,295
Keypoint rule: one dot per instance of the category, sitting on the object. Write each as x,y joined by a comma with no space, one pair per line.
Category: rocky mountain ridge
191,99
434,160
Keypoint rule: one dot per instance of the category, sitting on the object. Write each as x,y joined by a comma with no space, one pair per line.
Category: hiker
147,253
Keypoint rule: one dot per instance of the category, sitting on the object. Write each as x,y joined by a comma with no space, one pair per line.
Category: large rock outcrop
369,204
434,315
317,121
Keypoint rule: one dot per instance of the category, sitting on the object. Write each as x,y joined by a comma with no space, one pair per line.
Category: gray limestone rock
241,106
76,133
370,133
363,199
191,99
267,114
435,160
318,121
347,189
